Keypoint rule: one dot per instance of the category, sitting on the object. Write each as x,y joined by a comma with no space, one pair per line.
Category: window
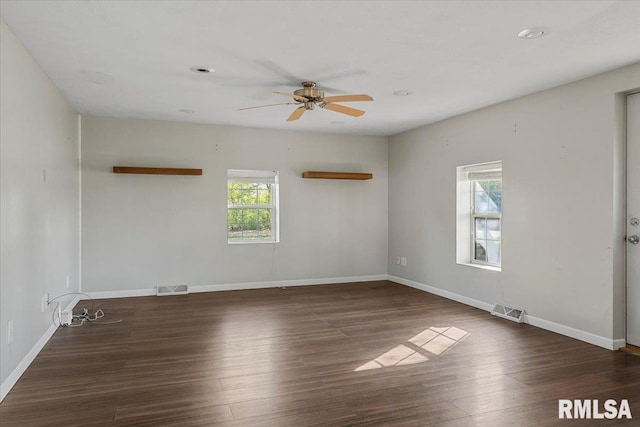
252,206
479,208
486,217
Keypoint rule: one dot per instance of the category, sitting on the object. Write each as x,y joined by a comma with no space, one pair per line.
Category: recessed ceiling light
401,93
533,33
203,70
187,110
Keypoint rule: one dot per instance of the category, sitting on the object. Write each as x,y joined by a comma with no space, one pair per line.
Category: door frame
626,195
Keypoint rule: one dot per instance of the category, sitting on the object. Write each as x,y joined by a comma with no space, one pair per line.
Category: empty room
332,213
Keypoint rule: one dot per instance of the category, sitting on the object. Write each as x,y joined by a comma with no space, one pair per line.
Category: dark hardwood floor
359,354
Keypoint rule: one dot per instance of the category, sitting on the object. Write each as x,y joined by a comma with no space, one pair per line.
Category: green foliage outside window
249,210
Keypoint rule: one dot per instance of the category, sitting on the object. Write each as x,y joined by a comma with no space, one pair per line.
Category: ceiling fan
308,97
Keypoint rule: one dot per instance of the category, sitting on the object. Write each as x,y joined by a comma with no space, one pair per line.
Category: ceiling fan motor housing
310,92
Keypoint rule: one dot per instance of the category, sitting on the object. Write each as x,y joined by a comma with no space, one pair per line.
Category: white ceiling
132,58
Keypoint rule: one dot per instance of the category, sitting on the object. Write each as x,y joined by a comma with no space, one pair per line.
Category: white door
633,219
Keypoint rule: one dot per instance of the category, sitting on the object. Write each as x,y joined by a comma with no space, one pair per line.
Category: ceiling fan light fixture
532,33
202,70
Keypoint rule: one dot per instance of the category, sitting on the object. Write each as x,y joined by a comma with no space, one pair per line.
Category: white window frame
473,178
263,177
466,176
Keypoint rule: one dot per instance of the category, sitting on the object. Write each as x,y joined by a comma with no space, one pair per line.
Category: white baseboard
619,343
609,344
578,334
240,286
441,292
13,378
121,294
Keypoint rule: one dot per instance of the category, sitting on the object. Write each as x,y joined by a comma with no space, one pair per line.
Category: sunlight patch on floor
432,341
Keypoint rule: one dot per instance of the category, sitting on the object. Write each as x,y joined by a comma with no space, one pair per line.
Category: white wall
144,230
561,219
39,218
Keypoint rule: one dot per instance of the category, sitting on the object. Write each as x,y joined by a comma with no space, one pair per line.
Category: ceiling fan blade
268,105
344,110
293,80
348,98
280,71
297,113
296,97
340,75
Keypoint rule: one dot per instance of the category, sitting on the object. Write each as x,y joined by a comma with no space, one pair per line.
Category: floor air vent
172,290
505,312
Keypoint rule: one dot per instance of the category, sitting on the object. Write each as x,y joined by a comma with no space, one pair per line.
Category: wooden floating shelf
337,175
156,171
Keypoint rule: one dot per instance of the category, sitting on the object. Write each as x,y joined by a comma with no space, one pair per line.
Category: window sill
481,266
249,242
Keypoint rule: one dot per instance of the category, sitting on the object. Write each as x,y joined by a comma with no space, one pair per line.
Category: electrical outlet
44,302
403,261
398,260
68,281
9,331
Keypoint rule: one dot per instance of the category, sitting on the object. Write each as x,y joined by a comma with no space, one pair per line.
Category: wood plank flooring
359,354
